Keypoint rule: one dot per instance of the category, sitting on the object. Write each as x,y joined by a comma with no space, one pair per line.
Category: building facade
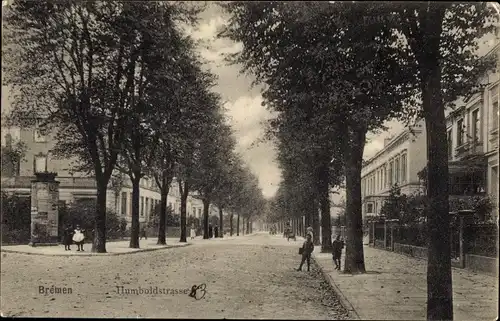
472,131
77,186
397,163
472,136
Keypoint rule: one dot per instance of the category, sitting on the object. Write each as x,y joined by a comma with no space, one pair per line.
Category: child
78,238
337,247
307,249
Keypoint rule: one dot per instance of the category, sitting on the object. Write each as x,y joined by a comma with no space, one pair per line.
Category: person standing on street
79,237
143,234
192,232
210,231
337,246
307,249
68,238
309,231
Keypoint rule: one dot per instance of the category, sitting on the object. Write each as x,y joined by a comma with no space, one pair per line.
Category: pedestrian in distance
337,246
306,251
216,232
210,231
143,234
192,232
309,231
78,238
67,238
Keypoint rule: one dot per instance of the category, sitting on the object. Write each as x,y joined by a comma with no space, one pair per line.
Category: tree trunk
221,223
162,228
134,233
231,224
206,205
184,191
238,225
439,276
315,222
354,257
99,242
324,203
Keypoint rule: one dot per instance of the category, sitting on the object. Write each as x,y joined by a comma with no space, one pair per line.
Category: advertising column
44,210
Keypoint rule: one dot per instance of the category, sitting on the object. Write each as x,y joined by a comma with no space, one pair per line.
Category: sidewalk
395,288
112,248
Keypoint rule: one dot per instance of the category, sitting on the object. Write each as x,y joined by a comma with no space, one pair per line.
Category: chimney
386,141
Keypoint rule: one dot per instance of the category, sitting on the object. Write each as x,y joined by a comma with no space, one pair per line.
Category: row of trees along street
334,71
121,87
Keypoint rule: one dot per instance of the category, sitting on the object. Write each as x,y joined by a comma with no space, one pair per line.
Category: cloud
376,140
244,103
247,116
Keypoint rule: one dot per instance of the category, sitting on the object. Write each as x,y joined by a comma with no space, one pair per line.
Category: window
170,205
396,171
146,209
495,115
130,205
383,177
476,126
124,203
403,168
460,132
390,174
369,208
494,99
450,144
199,212
40,163
38,136
142,205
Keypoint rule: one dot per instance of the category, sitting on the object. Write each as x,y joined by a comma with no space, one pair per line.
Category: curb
97,254
343,300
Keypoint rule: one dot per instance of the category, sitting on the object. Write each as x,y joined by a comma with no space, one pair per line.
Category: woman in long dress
193,232
78,238
68,238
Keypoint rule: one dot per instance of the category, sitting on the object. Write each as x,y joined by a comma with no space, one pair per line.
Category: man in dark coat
216,231
337,246
210,231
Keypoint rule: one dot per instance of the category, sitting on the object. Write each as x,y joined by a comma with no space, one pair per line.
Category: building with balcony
472,131
397,163
472,136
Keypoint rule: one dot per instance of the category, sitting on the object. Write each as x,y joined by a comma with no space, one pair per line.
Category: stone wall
410,250
478,263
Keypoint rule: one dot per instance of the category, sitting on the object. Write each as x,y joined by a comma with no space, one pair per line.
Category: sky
243,103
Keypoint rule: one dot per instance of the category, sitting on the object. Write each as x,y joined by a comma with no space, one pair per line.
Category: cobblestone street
248,277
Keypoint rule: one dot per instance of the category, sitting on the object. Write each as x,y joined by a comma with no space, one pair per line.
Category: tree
394,204
443,52
325,76
12,156
227,189
66,63
216,151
